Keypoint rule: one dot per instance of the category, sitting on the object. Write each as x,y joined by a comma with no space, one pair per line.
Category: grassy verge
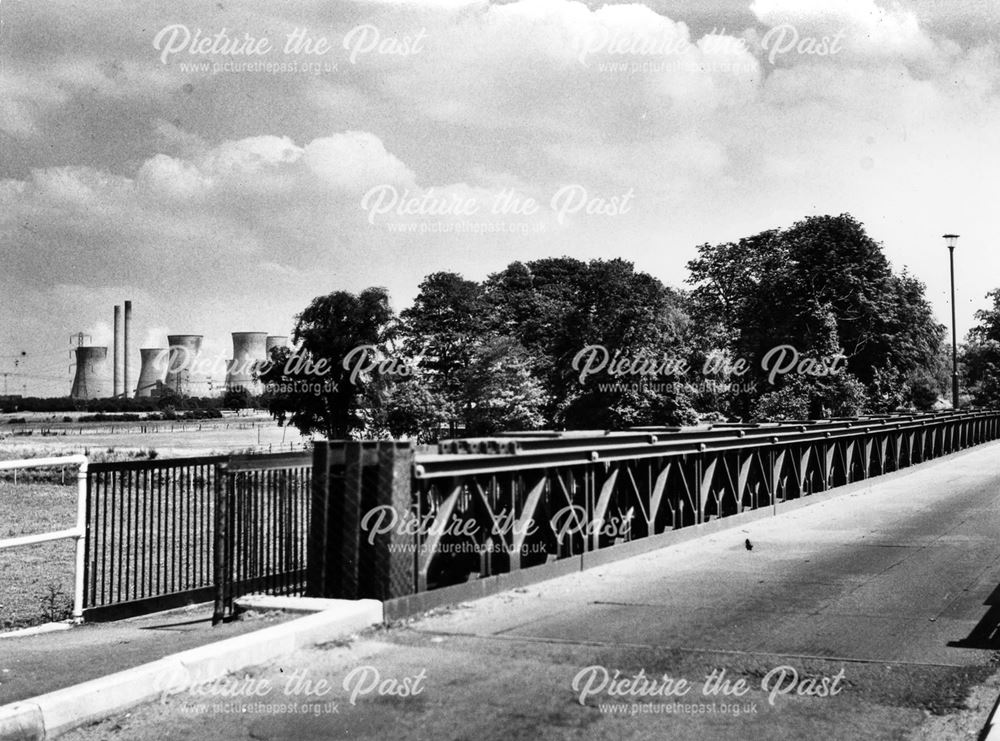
36,582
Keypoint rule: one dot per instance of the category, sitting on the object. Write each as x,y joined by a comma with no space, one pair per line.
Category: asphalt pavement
36,664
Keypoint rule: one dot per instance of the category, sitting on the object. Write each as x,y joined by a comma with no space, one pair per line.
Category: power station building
93,374
152,371
179,368
249,352
183,368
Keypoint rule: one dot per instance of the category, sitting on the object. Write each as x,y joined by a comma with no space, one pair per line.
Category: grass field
36,582
168,439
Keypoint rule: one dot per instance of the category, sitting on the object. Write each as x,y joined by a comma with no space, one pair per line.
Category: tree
447,317
981,355
314,387
236,398
499,391
557,307
824,287
411,408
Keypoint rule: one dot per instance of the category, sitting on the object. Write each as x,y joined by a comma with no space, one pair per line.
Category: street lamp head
951,240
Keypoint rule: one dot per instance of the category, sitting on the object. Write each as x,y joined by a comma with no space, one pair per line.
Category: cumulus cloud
232,197
225,201
571,63
853,30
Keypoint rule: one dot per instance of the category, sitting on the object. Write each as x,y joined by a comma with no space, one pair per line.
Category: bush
784,404
924,392
709,417
102,417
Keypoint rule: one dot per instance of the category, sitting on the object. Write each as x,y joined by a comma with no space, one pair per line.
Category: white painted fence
78,532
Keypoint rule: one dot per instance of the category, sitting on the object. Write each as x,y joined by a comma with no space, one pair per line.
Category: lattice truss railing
489,514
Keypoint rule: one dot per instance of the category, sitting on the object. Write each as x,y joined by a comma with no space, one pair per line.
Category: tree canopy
808,321
981,354
824,287
317,386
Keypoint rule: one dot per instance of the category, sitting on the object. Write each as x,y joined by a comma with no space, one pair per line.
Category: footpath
36,664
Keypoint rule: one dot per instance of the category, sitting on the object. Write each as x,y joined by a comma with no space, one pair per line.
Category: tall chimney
128,349
117,373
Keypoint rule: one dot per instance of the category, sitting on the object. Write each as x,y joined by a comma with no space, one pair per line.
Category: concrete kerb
304,605
50,715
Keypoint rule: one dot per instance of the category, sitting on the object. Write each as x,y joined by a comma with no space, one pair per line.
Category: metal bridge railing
491,506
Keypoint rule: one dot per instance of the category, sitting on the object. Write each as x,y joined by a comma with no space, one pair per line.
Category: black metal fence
151,528
148,533
261,524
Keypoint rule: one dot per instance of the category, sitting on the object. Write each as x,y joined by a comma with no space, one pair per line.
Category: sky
220,163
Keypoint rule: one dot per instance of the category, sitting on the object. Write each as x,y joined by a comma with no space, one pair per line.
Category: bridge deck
886,585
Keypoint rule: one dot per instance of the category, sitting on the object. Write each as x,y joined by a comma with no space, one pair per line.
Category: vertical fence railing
153,534
149,535
261,525
284,523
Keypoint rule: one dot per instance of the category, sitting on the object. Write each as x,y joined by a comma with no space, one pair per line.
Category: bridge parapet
391,524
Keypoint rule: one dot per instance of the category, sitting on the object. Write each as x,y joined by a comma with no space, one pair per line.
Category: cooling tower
127,351
152,372
117,386
275,340
92,373
249,350
184,377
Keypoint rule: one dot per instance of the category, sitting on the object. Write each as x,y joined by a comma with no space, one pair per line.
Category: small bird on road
748,544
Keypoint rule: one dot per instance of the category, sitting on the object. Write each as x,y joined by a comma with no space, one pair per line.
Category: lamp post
951,240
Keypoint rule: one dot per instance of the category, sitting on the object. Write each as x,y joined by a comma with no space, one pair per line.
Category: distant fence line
129,428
